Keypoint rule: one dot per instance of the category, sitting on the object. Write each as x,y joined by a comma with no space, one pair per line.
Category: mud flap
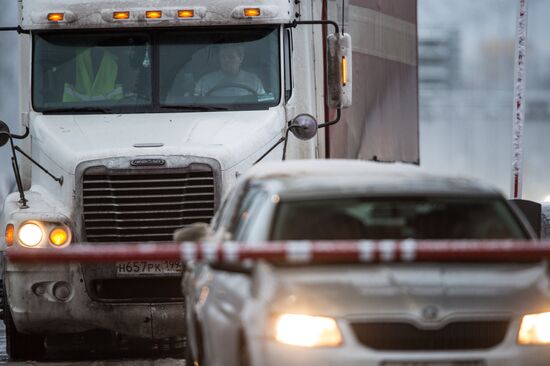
167,321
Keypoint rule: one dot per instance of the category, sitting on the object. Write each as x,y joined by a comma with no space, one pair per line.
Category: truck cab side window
288,63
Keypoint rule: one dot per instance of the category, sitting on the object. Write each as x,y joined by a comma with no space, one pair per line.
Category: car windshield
156,71
396,218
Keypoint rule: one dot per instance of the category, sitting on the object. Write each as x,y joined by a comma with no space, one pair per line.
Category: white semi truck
140,114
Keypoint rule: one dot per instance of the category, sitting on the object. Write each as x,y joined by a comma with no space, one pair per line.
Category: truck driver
230,80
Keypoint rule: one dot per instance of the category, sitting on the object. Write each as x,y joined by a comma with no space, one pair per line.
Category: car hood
406,290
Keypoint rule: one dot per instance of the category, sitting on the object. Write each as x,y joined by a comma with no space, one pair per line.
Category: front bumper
268,352
35,308
356,355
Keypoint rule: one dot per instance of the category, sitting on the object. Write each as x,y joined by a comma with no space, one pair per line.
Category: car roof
314,178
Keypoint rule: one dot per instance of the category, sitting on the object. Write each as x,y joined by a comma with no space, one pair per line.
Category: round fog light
59,237
30,234
39,289
61,291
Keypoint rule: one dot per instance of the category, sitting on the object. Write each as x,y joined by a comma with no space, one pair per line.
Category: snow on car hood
229,137
400,290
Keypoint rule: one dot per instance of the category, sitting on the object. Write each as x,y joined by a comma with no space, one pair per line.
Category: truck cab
140,115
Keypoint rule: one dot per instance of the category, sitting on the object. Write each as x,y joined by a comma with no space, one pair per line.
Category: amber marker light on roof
10,235
186,13
252,12
153,14
120,15
56,17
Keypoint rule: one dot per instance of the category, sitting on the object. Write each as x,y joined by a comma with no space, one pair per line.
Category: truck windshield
156,71
396,218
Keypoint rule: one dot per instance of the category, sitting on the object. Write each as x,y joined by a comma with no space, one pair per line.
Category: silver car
416,314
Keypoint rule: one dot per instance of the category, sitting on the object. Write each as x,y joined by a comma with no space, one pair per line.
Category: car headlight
30,234
307,331
535,329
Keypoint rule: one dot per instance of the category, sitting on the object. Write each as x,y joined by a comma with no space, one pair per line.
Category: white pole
519,101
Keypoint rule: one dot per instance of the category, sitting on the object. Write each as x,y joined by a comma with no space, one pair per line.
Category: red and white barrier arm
294,252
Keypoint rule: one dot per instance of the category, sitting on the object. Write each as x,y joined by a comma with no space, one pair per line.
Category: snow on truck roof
321,177
81,14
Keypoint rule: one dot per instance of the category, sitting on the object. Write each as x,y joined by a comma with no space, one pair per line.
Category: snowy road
122,362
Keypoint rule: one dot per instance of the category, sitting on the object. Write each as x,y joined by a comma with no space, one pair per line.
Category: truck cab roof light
252,12
153,14
56,17
121,15
186,13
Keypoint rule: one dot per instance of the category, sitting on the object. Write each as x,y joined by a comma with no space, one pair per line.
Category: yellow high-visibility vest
90,87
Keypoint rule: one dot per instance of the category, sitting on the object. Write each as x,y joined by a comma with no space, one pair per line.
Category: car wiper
79,110
196,108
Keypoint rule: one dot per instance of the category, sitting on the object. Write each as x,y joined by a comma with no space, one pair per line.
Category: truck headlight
30,234
535,329
37,234
307,331
59,236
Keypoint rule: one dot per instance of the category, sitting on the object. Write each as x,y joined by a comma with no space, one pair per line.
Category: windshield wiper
196,108
79,110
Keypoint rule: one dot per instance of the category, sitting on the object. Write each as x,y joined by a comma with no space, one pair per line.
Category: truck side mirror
303,126
4,133
339,68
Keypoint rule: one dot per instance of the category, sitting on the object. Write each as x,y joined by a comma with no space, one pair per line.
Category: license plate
433,363
148,268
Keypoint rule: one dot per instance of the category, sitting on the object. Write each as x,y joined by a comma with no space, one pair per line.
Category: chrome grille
137,205
469,335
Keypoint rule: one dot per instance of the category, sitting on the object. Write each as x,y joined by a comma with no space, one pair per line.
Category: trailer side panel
383,123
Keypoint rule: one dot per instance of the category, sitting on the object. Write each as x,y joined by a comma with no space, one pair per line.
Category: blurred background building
438,57
466,71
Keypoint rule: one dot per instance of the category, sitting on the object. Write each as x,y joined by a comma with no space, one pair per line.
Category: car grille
454,336
142,205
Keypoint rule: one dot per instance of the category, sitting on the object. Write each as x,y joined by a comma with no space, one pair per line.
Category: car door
225,289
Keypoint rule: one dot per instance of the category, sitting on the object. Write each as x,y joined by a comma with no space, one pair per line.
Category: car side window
250,205
218,216
224,218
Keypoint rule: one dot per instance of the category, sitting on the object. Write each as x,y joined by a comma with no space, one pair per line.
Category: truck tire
20,346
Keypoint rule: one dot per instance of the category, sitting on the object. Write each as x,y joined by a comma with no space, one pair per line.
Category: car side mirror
339,69
198,231
304,126
4,133
532,211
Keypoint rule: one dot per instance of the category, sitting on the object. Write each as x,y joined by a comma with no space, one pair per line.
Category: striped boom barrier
295,252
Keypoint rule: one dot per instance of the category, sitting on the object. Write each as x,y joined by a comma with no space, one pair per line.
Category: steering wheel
232,85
